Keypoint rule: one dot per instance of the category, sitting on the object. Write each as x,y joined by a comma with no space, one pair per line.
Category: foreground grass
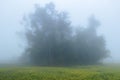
61,73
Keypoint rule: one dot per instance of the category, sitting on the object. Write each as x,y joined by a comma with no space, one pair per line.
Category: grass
61,73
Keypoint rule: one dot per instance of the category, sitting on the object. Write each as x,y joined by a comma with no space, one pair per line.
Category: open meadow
61,73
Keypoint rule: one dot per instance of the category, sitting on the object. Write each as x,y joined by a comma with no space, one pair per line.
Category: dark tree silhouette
51,42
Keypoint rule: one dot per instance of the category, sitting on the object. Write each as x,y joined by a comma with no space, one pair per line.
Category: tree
51,42
89,47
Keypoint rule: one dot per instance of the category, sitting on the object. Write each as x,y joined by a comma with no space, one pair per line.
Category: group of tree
53,41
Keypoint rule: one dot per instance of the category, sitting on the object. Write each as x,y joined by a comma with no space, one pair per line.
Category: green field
61,73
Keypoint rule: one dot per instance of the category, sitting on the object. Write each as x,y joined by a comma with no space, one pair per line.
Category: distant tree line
52,41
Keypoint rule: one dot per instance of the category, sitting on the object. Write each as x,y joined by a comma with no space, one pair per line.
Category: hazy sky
12,11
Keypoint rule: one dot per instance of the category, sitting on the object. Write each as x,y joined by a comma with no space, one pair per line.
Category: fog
12,12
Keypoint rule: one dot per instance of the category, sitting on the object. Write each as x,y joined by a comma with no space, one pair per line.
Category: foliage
53,42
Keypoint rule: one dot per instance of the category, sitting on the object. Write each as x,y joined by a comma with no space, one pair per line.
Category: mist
12,44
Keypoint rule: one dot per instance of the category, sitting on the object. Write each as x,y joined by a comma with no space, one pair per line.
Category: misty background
12,12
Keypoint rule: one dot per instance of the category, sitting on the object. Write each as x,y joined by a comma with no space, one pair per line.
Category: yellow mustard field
61,73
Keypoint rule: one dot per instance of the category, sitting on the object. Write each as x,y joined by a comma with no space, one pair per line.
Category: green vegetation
61,73
53,41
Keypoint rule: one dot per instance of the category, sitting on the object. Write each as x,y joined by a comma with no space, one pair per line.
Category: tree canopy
52,41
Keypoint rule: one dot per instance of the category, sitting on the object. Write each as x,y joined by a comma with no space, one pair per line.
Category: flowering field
61,73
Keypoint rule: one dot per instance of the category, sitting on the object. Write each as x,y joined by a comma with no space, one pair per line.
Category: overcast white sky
12,11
